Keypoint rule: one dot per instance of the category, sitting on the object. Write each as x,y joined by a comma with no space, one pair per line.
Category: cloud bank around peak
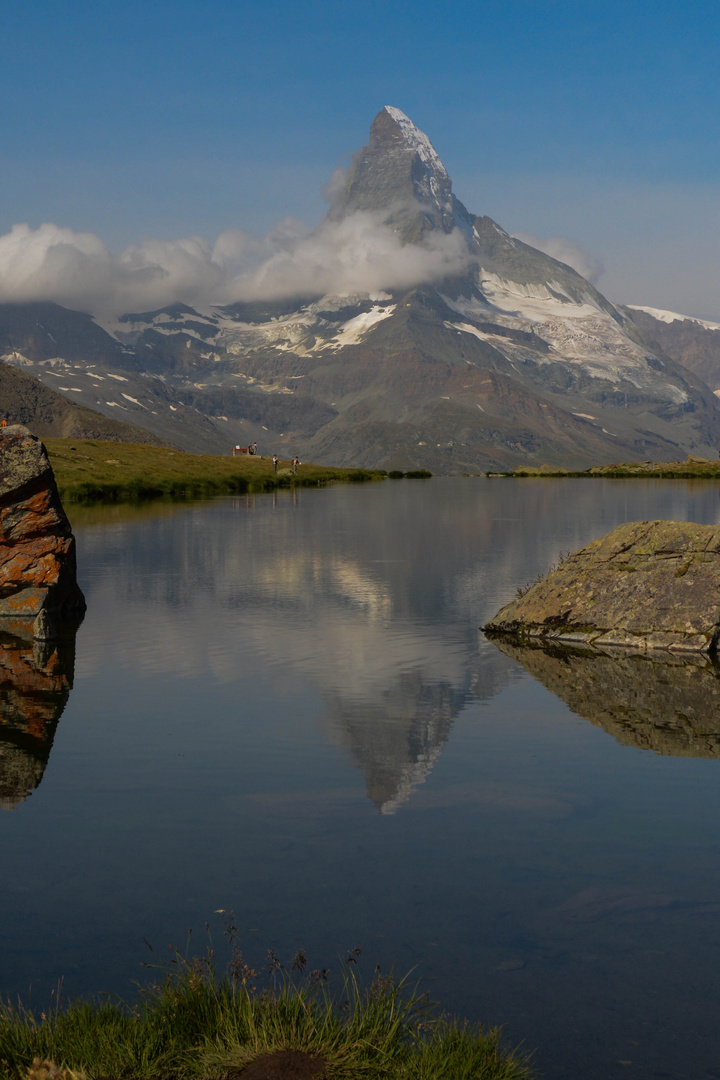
359,254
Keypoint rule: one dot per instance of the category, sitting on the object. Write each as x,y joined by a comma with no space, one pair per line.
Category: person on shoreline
275,462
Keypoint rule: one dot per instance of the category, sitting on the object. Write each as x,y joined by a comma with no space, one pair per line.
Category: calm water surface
282,706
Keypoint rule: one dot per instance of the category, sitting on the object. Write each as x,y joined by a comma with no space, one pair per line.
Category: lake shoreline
96,471
280,1022
694,468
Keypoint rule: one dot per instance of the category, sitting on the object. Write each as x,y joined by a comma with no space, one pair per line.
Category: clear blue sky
591,121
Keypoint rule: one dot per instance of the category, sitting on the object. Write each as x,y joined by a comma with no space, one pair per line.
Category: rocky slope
25,400
500,356
694,343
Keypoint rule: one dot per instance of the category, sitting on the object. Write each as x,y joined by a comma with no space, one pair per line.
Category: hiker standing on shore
275,462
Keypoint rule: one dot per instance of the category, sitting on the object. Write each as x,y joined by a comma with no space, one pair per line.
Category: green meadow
93,470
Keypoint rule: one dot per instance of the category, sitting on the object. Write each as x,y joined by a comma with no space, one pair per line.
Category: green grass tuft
193,1026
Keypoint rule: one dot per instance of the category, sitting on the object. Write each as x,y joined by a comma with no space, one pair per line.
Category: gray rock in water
646,585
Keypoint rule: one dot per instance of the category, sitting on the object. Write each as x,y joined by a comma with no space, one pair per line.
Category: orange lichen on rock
37,548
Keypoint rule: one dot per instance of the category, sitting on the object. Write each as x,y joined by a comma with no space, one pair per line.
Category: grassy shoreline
91,471
193,1026
94,470
694,468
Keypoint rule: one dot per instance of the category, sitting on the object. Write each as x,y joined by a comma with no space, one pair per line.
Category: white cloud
568,252
358,254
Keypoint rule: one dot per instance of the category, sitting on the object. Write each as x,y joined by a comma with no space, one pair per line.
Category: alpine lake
282,707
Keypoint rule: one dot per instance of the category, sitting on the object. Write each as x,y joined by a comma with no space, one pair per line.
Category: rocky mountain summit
466,349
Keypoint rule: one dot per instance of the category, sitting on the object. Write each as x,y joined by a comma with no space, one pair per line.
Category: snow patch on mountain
17,359
578,335
418,141
306,332
535,301
468,328
673,316
135,401
354,330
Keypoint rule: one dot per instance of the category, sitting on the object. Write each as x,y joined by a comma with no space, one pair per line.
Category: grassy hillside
95,470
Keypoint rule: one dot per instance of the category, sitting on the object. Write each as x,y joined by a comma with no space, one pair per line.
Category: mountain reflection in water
666,703
282,706
354,617
35,682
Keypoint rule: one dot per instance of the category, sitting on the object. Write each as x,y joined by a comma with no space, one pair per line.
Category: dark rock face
646,585
37,548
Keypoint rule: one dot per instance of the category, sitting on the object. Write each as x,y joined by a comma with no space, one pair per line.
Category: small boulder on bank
37,547
646,585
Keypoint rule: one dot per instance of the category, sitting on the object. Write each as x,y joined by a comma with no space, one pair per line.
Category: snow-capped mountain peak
416,140
492,355
400,173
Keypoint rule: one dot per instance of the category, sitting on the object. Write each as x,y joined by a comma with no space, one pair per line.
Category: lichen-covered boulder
37,548
645,585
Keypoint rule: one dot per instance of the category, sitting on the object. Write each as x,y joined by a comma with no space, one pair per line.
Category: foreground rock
37,548
666,703
646,585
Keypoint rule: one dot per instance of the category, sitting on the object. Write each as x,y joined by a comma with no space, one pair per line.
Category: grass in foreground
93,470
195,1027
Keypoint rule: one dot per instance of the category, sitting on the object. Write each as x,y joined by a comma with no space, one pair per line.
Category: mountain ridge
497,355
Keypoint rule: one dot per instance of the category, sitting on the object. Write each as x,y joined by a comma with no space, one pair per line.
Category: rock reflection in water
35,682
669,705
